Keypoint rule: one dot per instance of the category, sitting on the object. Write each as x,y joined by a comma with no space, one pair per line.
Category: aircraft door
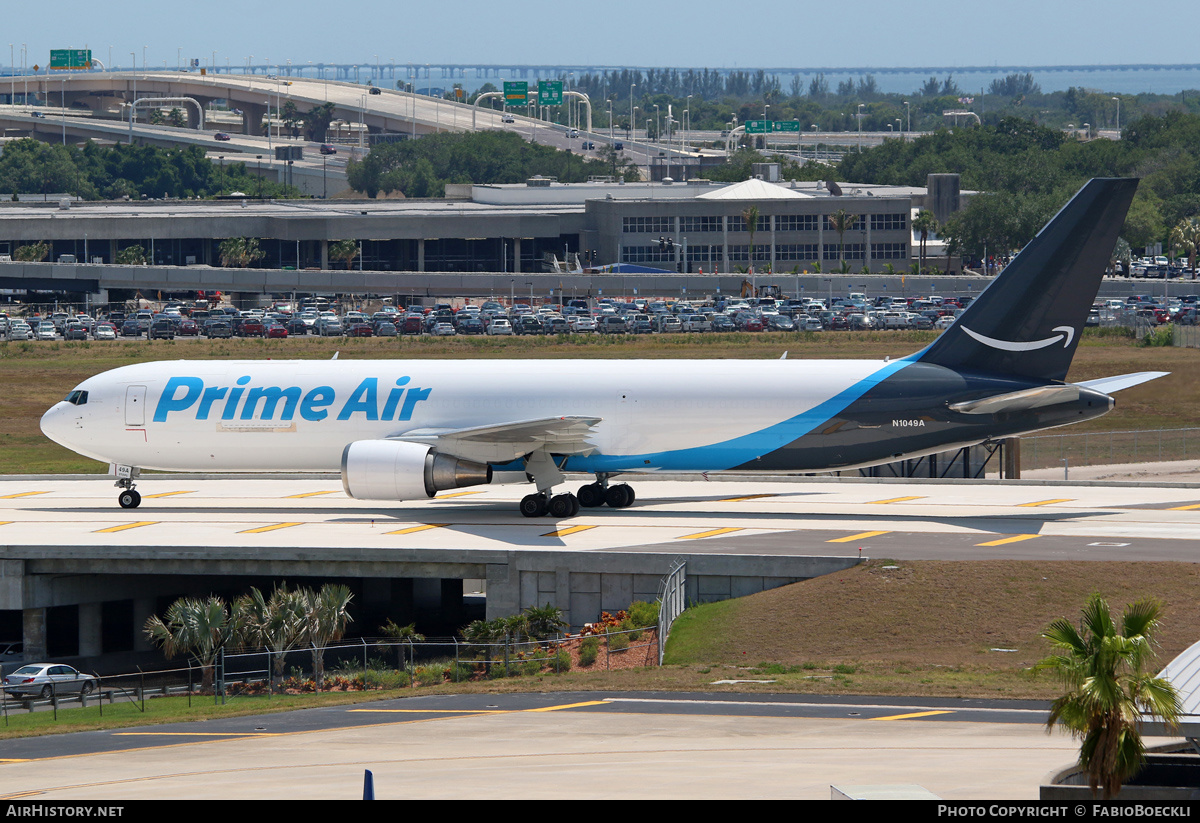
135,406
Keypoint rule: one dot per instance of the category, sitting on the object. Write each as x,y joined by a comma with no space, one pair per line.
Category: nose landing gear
129,498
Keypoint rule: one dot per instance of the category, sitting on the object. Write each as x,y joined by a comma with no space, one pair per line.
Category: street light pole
858,114
908,112
632,86
1118,99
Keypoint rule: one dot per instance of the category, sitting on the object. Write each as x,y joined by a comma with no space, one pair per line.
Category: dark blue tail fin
1027,322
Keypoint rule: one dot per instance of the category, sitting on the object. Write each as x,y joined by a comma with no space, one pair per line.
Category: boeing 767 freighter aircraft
407,429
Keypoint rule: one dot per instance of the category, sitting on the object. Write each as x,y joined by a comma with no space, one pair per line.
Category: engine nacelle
399,470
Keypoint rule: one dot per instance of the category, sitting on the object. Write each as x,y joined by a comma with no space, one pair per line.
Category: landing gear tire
591,495
619,497
129,499
563,505
533,505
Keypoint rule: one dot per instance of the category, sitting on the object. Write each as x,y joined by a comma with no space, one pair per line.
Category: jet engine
399,470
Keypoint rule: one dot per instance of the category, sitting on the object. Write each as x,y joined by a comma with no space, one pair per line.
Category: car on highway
508,118
375,90
326,148
47,680
221,136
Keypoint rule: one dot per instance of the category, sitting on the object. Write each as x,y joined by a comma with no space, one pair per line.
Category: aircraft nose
57,423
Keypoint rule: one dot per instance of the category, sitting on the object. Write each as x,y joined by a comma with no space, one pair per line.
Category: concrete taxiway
582,745
813,516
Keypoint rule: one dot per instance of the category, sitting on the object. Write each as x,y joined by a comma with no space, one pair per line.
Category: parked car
161,330
47,679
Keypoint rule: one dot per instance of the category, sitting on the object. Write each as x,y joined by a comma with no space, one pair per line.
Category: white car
508,118
47,680
499,325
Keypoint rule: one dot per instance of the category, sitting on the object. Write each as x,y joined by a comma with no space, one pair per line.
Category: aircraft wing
503,442
1108,385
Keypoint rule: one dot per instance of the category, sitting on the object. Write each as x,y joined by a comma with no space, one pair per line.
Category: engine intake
399,470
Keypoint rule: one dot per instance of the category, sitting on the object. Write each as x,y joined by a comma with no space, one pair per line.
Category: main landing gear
590,496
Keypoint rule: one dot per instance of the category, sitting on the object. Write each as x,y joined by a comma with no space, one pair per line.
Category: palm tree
544,620
277,624
327,616
926,224
750,216
1186,238
842,222
1108,689
197,627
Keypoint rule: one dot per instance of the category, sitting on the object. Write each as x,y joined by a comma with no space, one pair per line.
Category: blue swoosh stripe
739,450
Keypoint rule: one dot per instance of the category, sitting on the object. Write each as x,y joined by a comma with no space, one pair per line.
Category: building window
703,254
855,225
738,223
796,222
889,222
889,251
647,225
796,251
647,254
850,251
694,225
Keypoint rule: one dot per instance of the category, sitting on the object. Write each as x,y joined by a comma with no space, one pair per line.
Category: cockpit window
77,398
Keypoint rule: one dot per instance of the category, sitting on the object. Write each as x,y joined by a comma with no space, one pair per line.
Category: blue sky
615,32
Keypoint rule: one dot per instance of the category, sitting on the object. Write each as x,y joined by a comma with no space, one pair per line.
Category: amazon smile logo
1067,334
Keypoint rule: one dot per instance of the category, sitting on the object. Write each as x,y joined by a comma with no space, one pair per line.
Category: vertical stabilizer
1028,321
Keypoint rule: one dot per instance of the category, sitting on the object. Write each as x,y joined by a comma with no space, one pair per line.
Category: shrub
1161,336
588,650
644,615
561,661
529,668
618,642
429,675
461,672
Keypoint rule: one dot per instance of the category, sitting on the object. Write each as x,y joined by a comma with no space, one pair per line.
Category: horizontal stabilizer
1108,385
1019,400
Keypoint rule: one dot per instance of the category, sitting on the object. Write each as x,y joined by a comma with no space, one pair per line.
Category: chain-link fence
362,665
1107,448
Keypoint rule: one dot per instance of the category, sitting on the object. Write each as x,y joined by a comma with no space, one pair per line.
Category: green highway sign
785,125
550,93
67,59
516,93
758,126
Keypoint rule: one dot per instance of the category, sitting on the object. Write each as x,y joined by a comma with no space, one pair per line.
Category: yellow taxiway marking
568,706
6,522
1047,502
430,711
125,526
421,528
563,532
196,734
14,760
853,537
709,533
456,494
270,528
910,716
167,494
895,500
308,494
20,494
747,497
1184,508
1016,538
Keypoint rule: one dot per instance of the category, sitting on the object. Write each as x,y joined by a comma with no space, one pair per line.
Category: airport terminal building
690,227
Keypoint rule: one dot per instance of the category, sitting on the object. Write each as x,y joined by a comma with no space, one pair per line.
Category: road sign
550,93
68,59
785,125
516,93
758,126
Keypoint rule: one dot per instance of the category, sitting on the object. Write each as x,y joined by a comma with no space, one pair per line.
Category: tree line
95,172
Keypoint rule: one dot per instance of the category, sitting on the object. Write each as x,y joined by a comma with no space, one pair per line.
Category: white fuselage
299,415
